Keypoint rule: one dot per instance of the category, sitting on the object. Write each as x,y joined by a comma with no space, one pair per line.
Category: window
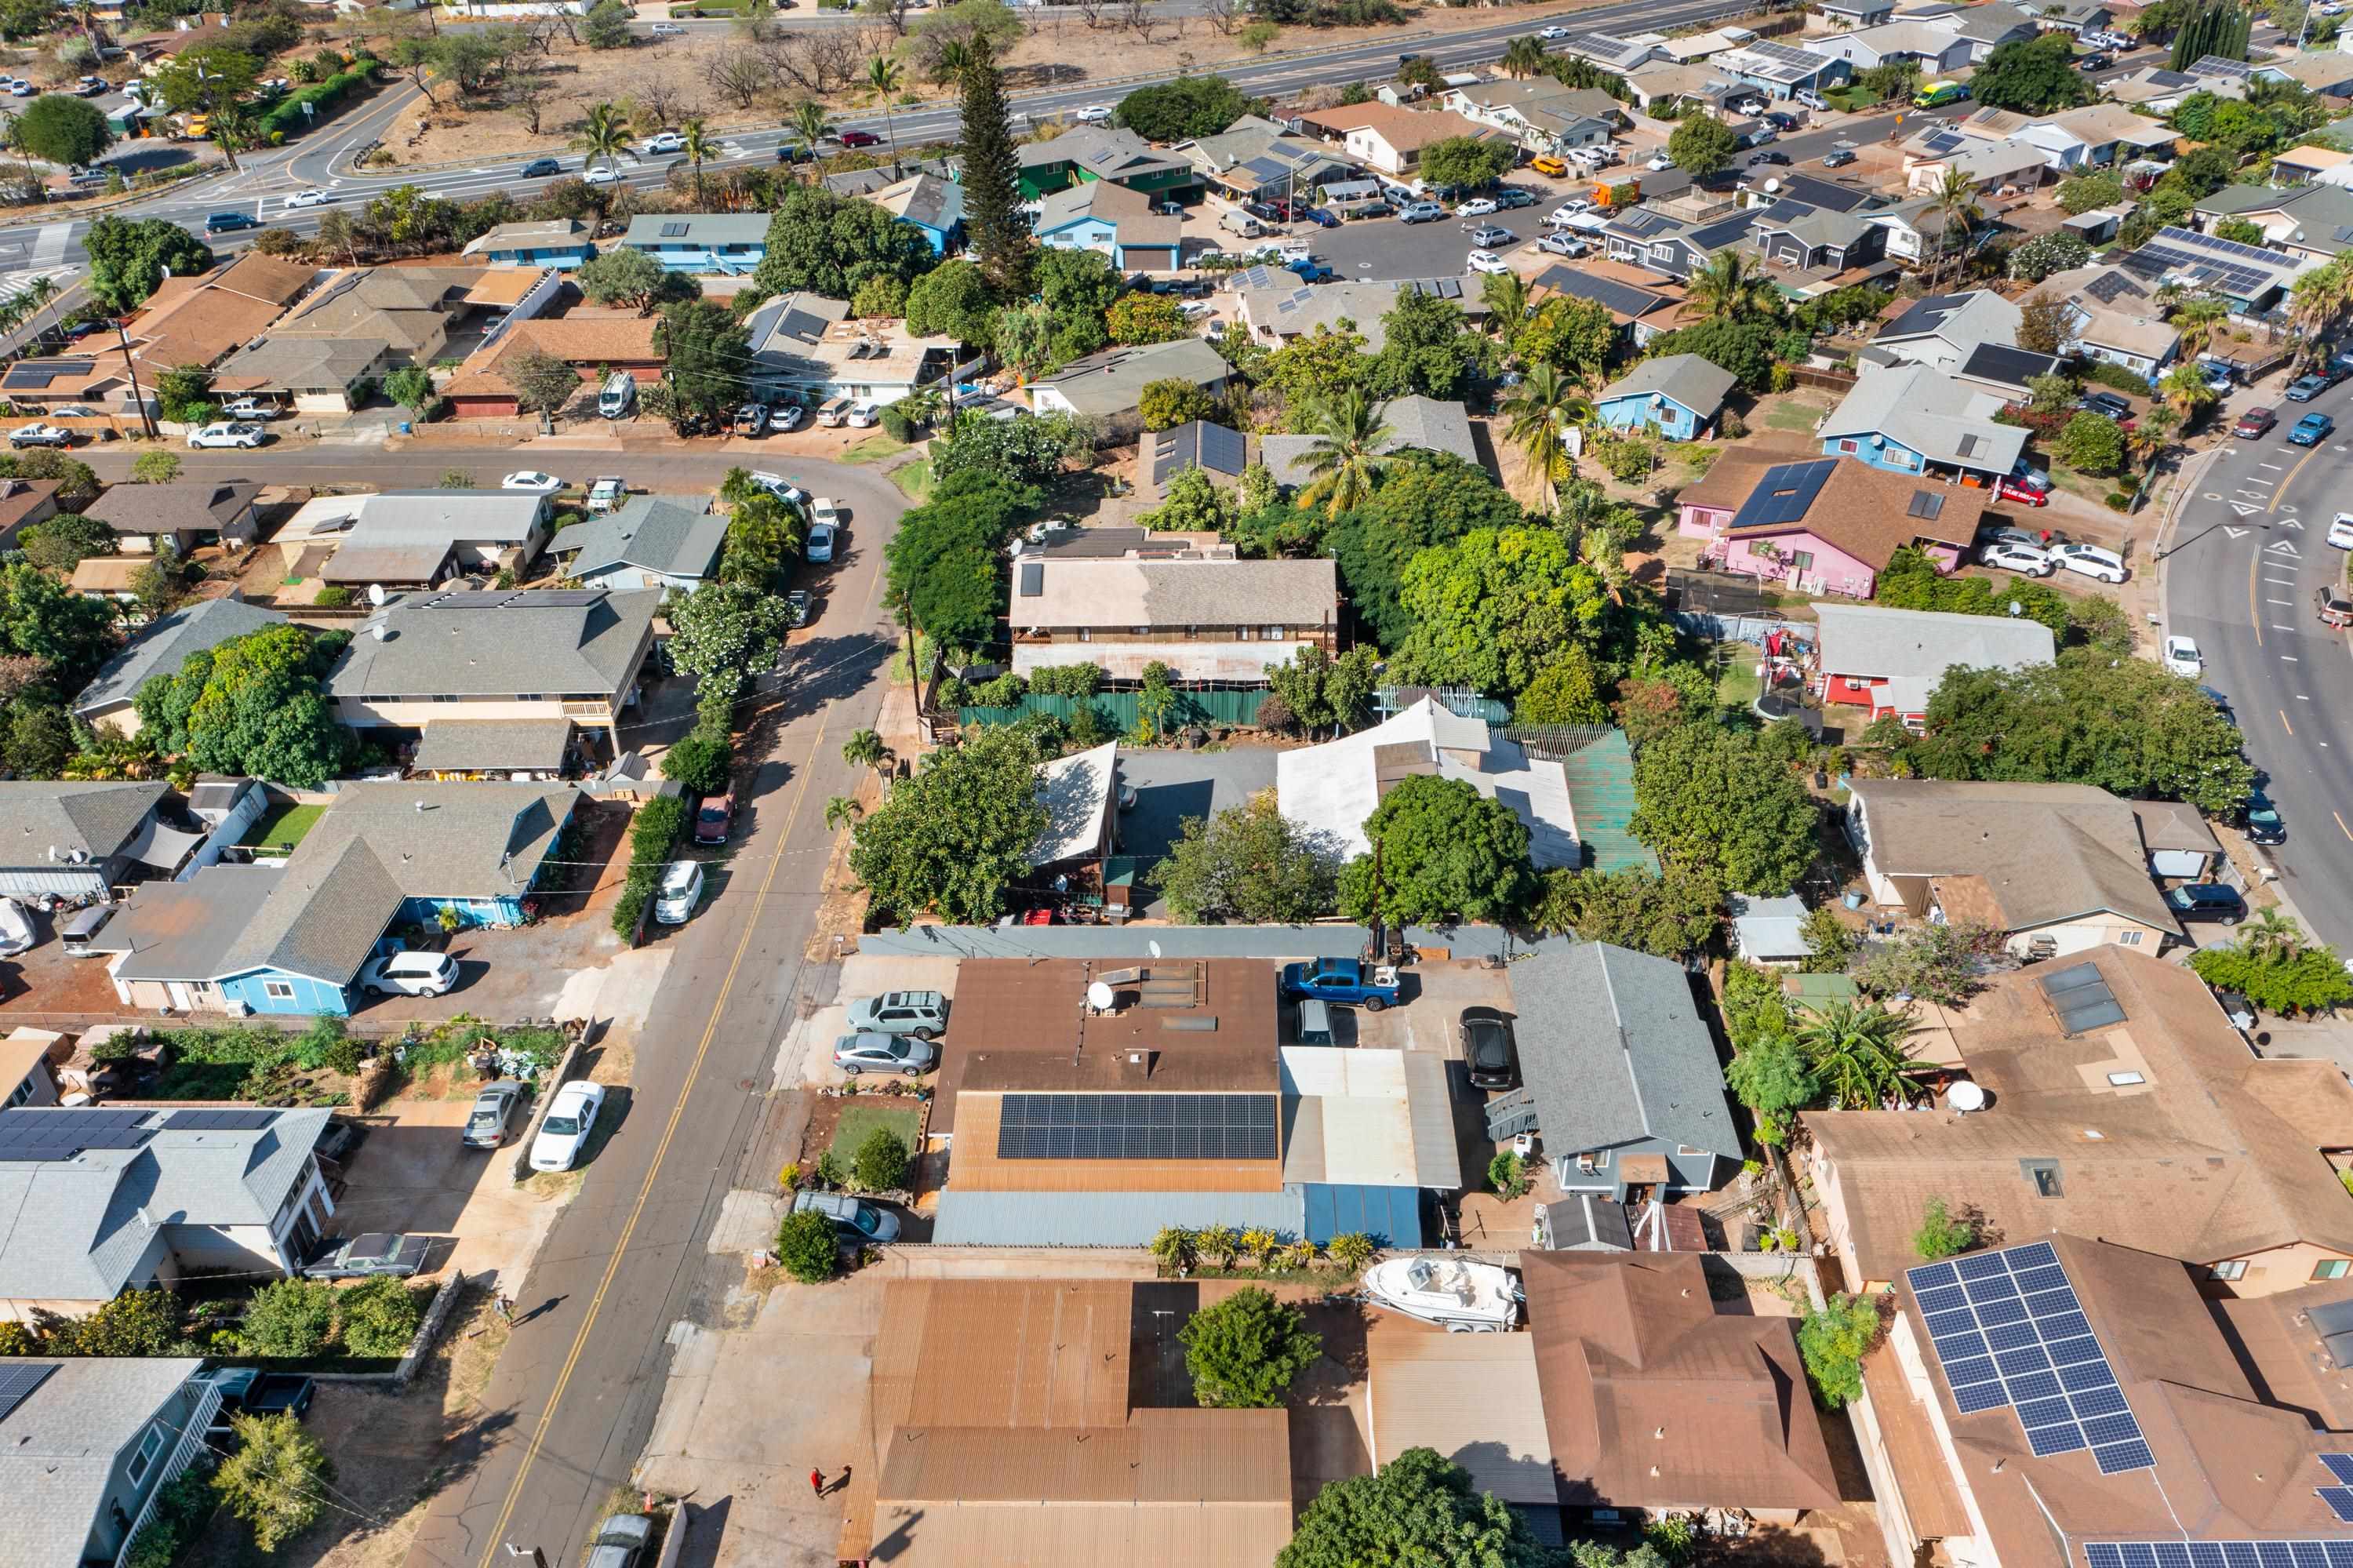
2044,1174
150,1444
445,696
1086,635
1244,633
278,990
2128,938
531,696
2125,1080
1802,559
2332,1268
2236,1269
1274,634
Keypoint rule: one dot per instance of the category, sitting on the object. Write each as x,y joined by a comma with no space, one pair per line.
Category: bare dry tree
891,11
736,76
526,96
1138,17
1092,13
662,98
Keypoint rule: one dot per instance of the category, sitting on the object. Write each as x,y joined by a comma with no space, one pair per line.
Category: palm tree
865,749
603,134
2273,936
842,812
948,62
2184,386
233,132
1506,298
34,299
1600,551
810,124
2197,319
882,77
1856,1051
1731,286
698,146
2151,434
1536,419
1347,458
2315,300
1524,56
1957,204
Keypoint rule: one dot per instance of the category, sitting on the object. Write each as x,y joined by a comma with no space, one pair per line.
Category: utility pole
146,419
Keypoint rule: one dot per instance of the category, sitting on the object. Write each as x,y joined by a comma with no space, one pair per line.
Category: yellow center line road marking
2284,483
2341,827
2284,724
645,1191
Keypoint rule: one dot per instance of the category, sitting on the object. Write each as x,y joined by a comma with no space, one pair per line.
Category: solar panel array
1785,494
2219,1554
1794,64
2243,270
2340,1498
2009,1331
219,1120
513,598
2081,998
18,1382
30,1135
1136,1127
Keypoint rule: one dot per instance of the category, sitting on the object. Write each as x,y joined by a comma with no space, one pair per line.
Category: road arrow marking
2291,523
2238,533
2243,509
2284,547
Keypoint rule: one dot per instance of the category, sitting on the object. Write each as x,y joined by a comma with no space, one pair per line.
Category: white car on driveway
2182,658
228,435
570,1120
532,479
2105,566
409,974
2340,532
1488,261
311,197
2023,558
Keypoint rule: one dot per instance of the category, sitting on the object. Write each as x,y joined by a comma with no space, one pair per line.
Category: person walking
505,1305
817,1482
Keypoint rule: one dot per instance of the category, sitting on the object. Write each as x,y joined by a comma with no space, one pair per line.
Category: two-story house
1207,617
499,653
1912,418
1096,215
1103,153
727,243
86,1445
560,242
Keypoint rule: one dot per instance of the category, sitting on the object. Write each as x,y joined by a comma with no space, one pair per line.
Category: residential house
2006,372
1618,1075
1889,663
2076,16
2310,222
1612,53
2096,226
499,654
80,841
1630,1343
1103,153
100,1202
934,206
1330,791
2194,1388
1207,617
1542,114
1277,307
809,348
866,182
419,313
1654,238
1987,28
1219,452
1255,159
1989,167
1857,13
28,1073
1693,47
292,936
2121,1104
1941,331
1696,85
2326,72
161,648
1914,418
111,577
2057,868
1096,215
563,243
1643,305
1803,190
1001,1433
2301,165
2114,315
417,538
58,381
23,502
530,748
1107,384
727,243
183,513
1932,49
1389,138
1414,424
2250,280
204,319
1679,395
594,343
671,542
87,1444
1834,247
1783,70
2161,89
1824,526
1471,1399
309,375
2097,135
1079,794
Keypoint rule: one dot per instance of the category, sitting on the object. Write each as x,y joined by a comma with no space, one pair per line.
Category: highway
2242,562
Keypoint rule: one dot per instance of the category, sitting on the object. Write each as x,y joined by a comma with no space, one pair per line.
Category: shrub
1243,1352
1940,1234
1066,680
805,1247
880,1162
701,762
380,1316
180,1512
1507,1176
896,424
271,1480
1832,1343
628,909
333,597
290,1317
1353,1252
1001,692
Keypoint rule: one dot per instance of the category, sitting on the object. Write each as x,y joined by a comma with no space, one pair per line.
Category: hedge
2112,375
659,822
288,117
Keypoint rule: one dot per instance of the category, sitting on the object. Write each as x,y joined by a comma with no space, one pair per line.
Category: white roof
1375,1118
1075,789
1330,789
1767,928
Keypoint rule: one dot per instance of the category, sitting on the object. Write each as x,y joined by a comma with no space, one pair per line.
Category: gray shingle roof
1419,423
455,745
1111,382
304,364
188,506
184,930
534,642
678,535
95,819
653,229
1612,1050
58,1449
83,1228
164,645
1698,384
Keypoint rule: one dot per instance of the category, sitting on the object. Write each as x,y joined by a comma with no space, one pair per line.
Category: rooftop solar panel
1784,494
218,1121
2340,1466
2218,1553
1136,1127
30,1135
18,1382
2339,1501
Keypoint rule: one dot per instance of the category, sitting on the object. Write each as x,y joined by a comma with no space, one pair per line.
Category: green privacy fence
1120,709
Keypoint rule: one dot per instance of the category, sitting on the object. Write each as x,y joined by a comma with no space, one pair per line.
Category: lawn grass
913,479
1792,414
1736,685
874,448
860,1120
282,827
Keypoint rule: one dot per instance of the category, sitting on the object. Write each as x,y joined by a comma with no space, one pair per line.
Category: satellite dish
376,594
1153,946
1771,185
1965,1097
1099,996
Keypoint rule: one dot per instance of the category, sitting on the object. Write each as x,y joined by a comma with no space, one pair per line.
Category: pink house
1824,526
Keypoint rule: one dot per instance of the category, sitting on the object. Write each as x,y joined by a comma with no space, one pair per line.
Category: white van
836,409
1234,221
618,401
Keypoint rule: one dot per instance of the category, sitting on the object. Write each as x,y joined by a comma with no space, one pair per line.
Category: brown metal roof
1003,1352
1653,1399
1203,1026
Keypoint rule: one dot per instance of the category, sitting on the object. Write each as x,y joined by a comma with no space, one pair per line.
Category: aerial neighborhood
1240,783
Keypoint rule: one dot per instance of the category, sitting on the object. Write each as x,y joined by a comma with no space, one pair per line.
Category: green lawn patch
913,479
1736,685
1791,414
860,1120
282,828
874,448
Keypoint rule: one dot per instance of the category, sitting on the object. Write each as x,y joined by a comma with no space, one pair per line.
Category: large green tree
949,839
274,1477
1669,913
129,256
632,278
705,350
991,176
1425,498
1077,288
946,562
255,704
1492,609
2032,75
2277,968
63,129
953,300
1855,1050
1701,145
1705,795
723,634
1181,110
1250,864
830,244
1446,851
1243,1353
1466,162
1429,348
1419,1510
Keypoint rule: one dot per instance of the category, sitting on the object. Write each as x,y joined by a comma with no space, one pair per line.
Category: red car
717,816
2024,494
2254,424
860,139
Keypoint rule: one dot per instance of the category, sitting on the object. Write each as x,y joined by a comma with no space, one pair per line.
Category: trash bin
1854,900
404,427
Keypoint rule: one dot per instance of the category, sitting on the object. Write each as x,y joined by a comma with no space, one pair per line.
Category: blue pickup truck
1343,981
1311,270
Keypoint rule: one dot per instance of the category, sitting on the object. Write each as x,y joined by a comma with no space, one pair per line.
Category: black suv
1487,1049
2206,901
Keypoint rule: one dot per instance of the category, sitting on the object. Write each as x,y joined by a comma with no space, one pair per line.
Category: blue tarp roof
1390,1215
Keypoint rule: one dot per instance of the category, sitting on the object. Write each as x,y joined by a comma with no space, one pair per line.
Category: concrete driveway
412,1175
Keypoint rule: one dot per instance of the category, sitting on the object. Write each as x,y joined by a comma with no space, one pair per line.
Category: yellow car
1549,166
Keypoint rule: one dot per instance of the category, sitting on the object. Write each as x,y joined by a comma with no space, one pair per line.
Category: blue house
1116,220
933,205
292,937
1679,393
1912,418
728,242
563,243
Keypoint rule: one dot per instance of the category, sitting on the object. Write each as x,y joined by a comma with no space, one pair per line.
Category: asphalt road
2242,562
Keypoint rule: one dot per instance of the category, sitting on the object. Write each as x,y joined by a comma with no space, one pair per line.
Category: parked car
752,420
1838,158
2023,558
922,1013
2106,403
565,1129
494,1108
376,1255
228,434
1558,244
1758,159
2333,604
409,974
1510,197
860,139
2340,531
1487,1049
1487,236
1781,120
540,169
2182,658
1486,262
2022,495
2026,473
821,537
41,435
855,1219
796,607
680,891
1568,211
341,1140
785,417
2305,388
607,492
2206,901
249,1391
620,1542
230,222
2254,425
1477,206
2261,819
257,409
1657,162
1420,212
2089,560
2094,62
715,818
532,480
872,1053
863,415
2311,431
1315,215
1341,979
